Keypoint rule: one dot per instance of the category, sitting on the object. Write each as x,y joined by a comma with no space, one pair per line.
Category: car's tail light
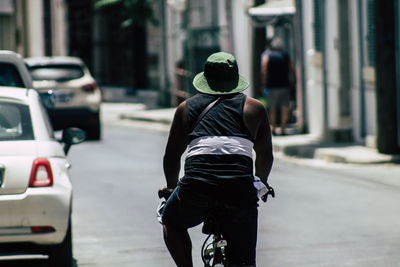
41,174
91,87
42,229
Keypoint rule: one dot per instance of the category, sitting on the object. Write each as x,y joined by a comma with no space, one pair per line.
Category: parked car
13,71
77,97
35,184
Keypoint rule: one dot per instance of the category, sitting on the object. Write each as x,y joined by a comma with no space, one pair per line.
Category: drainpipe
361,64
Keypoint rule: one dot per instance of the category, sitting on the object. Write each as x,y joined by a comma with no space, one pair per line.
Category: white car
35,185
77,96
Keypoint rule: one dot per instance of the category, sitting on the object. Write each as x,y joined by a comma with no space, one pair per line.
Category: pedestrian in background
180,73
219,162
278,83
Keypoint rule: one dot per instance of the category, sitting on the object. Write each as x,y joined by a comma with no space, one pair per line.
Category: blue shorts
186,209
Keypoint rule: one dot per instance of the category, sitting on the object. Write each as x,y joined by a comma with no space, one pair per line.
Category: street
323,214
326,72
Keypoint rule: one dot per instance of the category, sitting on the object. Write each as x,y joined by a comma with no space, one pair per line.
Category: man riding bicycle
220,126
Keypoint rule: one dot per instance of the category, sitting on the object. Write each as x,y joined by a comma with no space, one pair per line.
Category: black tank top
227,175
278,70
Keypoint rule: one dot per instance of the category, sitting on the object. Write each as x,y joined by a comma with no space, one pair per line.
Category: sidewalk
299,145
296,145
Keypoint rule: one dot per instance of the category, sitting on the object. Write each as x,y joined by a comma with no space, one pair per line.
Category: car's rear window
15,122
9,76
56,72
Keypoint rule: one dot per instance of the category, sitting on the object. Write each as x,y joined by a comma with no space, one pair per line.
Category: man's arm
264,72
263,149
256,120
176,145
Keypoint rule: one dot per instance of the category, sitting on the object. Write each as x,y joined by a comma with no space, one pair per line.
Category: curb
310,147
297,145
163,116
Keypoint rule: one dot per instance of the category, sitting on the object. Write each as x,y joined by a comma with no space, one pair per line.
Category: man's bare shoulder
180,117
254,115
181,109
253,106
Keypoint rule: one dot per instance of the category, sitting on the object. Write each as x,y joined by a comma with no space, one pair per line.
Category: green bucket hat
220,76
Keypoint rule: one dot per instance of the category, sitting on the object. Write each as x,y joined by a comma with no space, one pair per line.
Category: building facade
340,65
347,61
347,53
34,27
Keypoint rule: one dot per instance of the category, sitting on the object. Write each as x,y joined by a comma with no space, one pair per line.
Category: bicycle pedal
221,243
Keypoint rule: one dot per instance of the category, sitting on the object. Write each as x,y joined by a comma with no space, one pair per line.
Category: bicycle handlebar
270,192
165,193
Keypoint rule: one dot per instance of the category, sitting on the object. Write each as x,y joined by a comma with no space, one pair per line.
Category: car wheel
93,132
61,255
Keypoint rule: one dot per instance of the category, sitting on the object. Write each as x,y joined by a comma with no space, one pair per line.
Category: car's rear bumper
37,207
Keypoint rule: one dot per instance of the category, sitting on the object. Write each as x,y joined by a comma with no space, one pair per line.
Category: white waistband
220,145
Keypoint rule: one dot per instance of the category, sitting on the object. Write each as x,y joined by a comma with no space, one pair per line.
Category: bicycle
212,252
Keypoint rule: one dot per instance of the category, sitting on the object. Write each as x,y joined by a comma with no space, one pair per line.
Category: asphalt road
323,215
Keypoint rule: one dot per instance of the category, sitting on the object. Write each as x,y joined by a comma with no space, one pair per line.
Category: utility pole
385,65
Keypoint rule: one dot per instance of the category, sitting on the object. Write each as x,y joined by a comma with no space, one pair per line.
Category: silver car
77,97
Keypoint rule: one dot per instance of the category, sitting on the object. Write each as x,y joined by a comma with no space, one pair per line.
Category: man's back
255,119
219,161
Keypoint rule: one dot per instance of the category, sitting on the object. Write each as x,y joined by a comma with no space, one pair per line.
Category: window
9,76
56,72
15,122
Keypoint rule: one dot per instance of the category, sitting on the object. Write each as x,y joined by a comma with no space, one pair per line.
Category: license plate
63,97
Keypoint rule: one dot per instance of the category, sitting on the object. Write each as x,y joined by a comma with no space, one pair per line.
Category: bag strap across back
204,112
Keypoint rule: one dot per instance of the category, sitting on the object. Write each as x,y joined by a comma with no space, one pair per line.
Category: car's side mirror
72,136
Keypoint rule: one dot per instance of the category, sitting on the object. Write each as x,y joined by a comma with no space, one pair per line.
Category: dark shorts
187,209
278,97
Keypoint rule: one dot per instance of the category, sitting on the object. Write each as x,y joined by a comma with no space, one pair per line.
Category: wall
7,25
59,28
356,79
315,89
34,28
242,36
